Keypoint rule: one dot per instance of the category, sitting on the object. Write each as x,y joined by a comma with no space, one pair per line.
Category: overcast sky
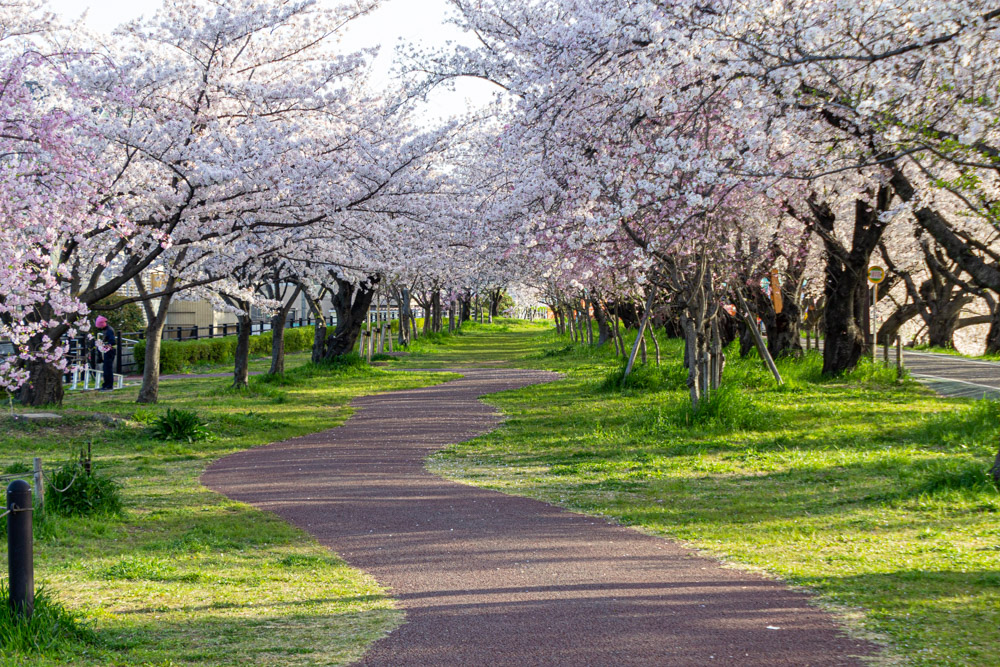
416,21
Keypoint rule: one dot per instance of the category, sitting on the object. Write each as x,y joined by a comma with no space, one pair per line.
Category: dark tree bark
241,365
890,327
728,328
438,324
45,382
495,297
319,331
995,470
44,387
603,329
156,319
846,284
278,333
405,316
466,315
993,336
746,339
351,303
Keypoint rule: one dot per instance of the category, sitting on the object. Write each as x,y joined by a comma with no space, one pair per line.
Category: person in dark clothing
109,357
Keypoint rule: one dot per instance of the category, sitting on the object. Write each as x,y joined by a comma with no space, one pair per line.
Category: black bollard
20,552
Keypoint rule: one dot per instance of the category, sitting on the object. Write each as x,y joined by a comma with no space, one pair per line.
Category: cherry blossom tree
51,197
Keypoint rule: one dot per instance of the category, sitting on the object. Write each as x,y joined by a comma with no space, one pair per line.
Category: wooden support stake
751,322
639,336
39,482
899,357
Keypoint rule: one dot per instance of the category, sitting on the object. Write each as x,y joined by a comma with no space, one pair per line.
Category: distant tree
127,317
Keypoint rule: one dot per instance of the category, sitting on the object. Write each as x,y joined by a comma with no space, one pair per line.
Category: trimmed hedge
176,355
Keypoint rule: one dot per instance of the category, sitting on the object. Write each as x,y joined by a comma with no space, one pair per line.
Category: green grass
184,576
871,493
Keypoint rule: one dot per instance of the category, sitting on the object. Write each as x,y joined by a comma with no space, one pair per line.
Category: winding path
491,579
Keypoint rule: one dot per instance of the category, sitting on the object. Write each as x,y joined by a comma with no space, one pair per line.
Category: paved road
954,376
491,579
951,375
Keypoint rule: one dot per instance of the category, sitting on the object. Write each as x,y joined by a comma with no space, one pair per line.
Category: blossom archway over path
643,159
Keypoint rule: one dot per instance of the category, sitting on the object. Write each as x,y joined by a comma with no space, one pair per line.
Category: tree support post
640,338
899,357
39,481
751,323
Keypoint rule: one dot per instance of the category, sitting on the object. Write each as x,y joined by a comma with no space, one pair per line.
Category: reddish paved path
490,579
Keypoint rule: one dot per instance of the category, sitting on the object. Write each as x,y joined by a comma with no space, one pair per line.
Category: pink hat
101,322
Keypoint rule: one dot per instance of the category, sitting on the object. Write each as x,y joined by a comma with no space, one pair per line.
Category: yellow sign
876,274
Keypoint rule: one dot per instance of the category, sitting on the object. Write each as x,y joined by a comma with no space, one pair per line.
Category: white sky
415,21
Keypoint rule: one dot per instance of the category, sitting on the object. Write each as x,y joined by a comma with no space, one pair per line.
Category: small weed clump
557,352
179,425
75,491
645,378
727,408
352,364
49,626
872,374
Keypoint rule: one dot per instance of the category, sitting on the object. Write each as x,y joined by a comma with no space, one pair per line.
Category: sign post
876,274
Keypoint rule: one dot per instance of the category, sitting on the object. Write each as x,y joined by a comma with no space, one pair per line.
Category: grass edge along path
870,494
187,576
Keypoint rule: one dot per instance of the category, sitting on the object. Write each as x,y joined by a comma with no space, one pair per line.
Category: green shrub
50,625
179,425
176,355
72,491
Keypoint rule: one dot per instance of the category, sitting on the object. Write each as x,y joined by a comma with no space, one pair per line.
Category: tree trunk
438,324
277,344
993,336
241,365
995,470
844,342
603,330
44,386
847,281
278,321
352,304
691,359
495,297
428,317
149,392
941,331
319,330
156,318
890,327
783,337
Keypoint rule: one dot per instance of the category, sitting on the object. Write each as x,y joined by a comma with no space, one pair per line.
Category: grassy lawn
186,576
873,494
